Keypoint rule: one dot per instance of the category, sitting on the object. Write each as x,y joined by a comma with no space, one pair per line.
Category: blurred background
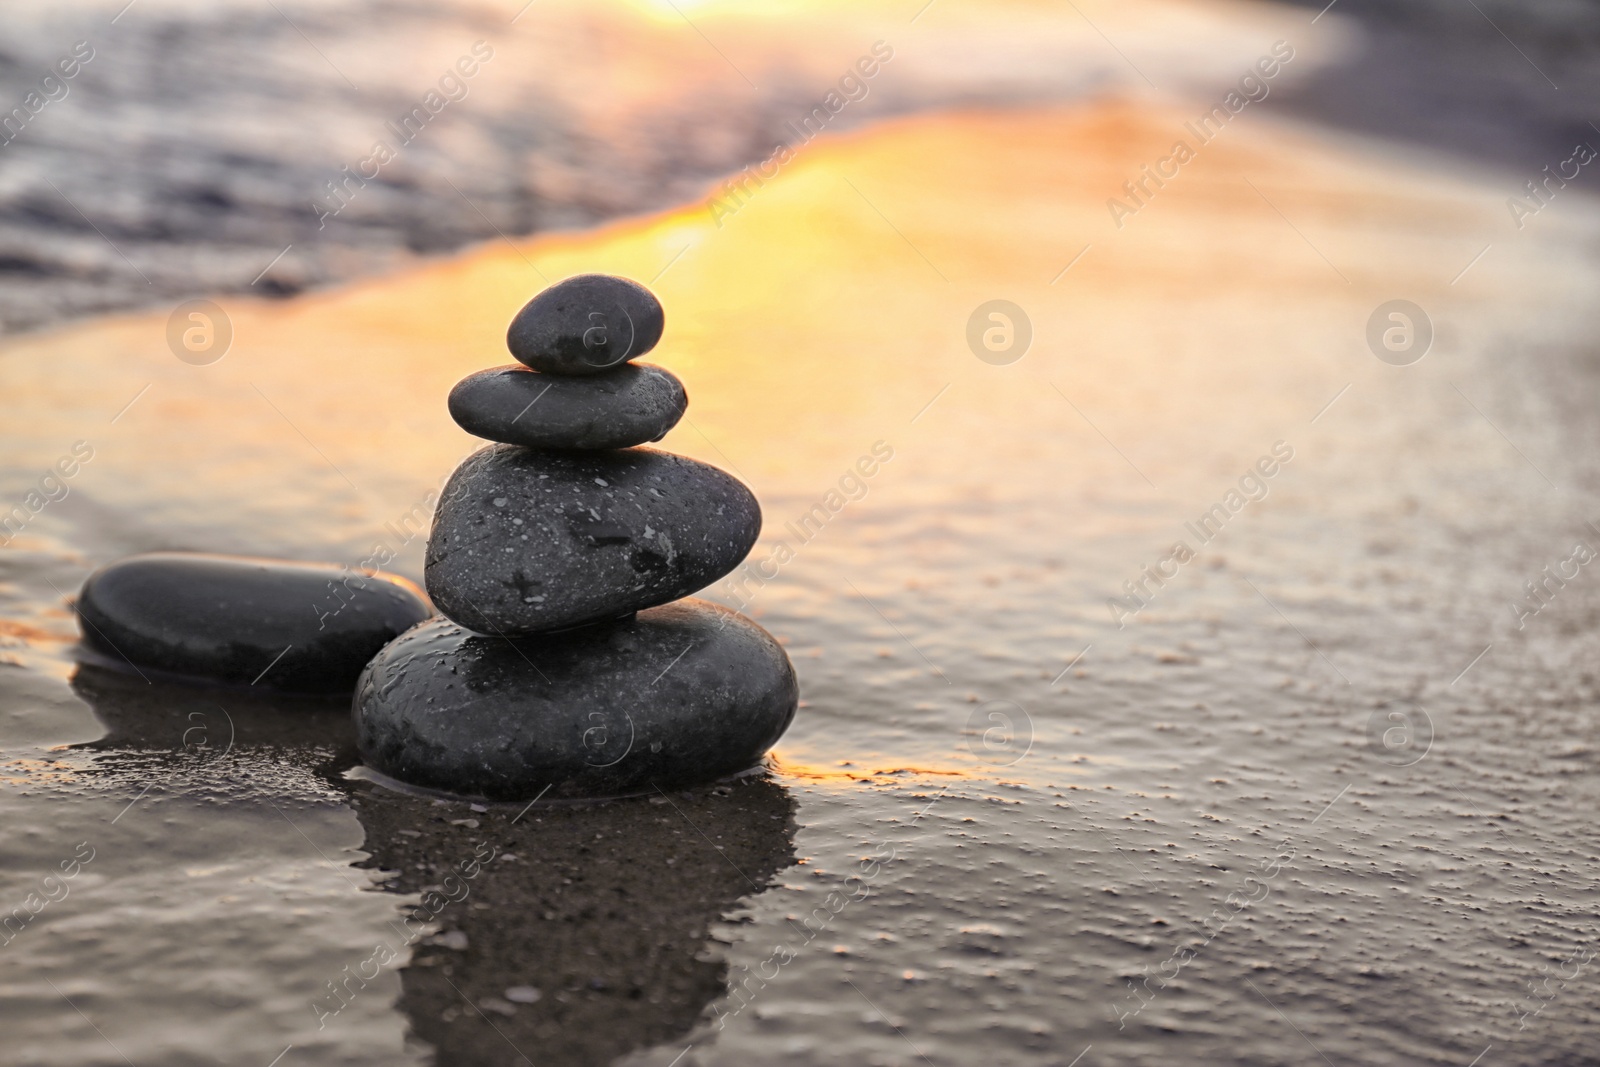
1314,787
200,138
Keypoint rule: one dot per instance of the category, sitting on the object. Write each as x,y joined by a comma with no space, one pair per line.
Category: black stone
527,541
302,627
680,694
627,406
586,325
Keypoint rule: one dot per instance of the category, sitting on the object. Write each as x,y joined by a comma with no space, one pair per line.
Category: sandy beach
1313,787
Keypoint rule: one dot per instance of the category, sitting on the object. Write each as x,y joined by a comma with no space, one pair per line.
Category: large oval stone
680,694
586,325
307,627
627,406
526,541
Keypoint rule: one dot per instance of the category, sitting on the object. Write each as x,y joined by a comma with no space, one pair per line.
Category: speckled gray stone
680,694
306,627
528,541
586,325
627,406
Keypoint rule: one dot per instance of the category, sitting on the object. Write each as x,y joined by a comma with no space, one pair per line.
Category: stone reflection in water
262,739
583,936
555,934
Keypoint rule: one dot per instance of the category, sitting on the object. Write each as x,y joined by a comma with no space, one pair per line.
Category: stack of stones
566,661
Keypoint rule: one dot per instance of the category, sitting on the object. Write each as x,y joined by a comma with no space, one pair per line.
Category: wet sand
1178,834
1323,795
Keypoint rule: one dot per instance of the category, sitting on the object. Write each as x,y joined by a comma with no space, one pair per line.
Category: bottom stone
684,693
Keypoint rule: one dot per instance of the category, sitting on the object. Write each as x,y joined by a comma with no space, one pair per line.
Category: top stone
586,325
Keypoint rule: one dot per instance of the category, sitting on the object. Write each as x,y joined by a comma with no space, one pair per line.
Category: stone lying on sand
527,541
586,325
685,693
627,406
306,627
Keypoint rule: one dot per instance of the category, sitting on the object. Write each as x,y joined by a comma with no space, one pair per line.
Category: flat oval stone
529,541
676,695
305,627
586,325
627,406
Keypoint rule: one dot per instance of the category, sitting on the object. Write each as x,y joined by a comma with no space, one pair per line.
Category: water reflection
582,936
207,723
554,934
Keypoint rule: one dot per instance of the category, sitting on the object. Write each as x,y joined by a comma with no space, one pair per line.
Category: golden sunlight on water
825,314
826,311
821,316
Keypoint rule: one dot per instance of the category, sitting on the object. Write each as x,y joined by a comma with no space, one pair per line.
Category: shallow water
1006,810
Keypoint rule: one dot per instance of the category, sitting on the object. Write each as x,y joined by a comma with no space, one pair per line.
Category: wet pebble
586,325
527,541
678,695
305,627
627,406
